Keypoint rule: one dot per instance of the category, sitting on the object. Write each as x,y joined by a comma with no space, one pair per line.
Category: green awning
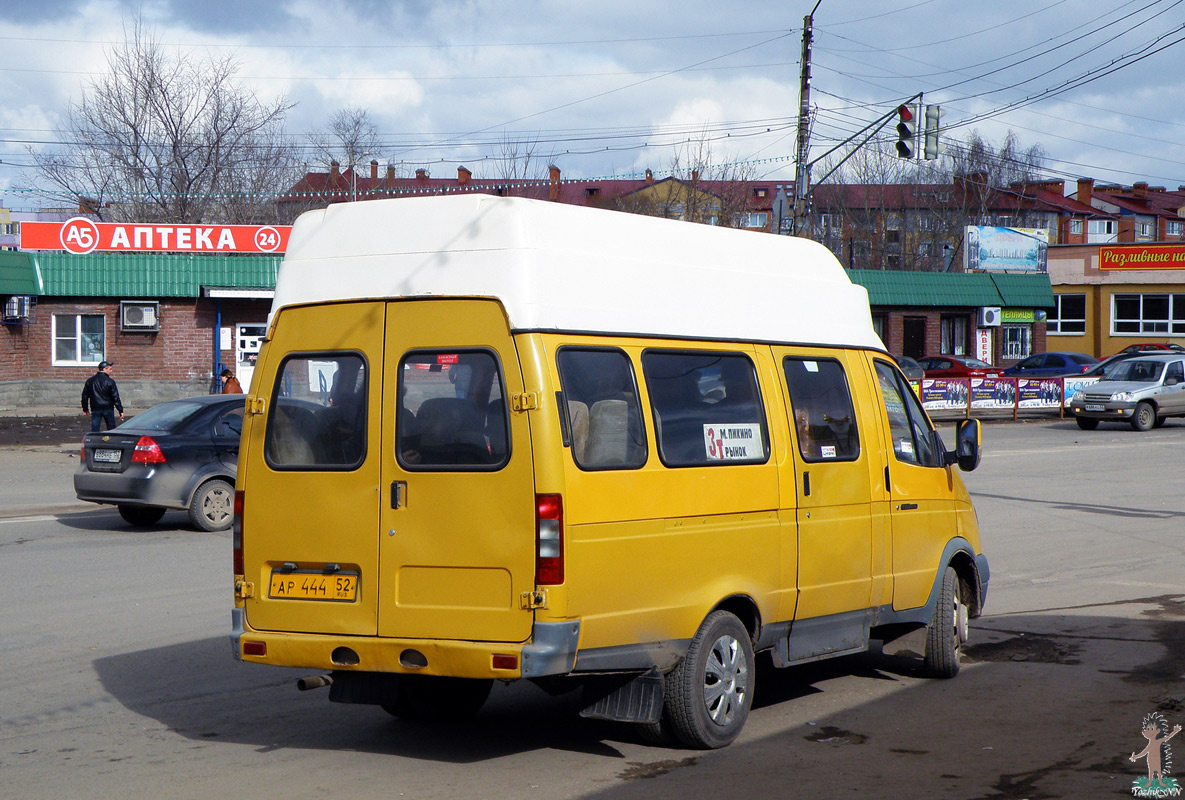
19,274
151,274
954,289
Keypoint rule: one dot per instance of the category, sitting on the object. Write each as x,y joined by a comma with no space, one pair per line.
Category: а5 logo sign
80,235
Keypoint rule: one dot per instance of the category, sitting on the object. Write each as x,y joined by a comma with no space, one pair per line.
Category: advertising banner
993,392
1012,249
944,393
81,235
1038,392
1072,385
1142,256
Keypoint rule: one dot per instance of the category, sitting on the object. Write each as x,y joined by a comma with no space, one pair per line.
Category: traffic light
930,138
905,132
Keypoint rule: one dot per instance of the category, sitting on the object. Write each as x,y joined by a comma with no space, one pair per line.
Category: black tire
658,733
432,697
1144,417
709,692
213,506
1086,423
948,629
141,516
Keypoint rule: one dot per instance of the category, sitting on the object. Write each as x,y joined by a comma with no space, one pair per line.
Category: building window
832,222
1100,230
1069,315
878,325
754,219
892,236
1174,227
1147,313
1144,230
78,339
954,336
1076,226
1018,341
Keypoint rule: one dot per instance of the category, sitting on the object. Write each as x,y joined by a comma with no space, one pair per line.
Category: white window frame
1144,230
77,338
1056,321
953,335
1174,227
1171,325
1100,230
1076,227
1016,342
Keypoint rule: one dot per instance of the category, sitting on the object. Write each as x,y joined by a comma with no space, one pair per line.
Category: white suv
1144,391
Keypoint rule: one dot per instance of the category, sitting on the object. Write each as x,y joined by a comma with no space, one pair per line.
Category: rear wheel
948,629
709,693
1144,418
1086,423
213,506
432,697
141,516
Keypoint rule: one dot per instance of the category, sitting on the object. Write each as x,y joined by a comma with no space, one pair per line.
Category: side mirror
1171,381
967,444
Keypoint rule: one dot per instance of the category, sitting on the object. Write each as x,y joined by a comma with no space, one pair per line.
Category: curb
16,512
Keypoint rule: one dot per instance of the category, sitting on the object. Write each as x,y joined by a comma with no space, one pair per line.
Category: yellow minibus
494,438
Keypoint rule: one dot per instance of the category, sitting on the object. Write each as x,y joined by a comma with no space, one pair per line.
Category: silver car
1143,391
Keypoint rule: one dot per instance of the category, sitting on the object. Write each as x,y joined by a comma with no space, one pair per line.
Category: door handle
907,507
398,493
806,484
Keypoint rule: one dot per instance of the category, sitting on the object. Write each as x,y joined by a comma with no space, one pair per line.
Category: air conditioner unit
989,317
139,316
17,308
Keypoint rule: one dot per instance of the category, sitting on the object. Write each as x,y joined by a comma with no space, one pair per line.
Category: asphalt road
116,678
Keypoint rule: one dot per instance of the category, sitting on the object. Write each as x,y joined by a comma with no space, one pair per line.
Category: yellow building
1110,296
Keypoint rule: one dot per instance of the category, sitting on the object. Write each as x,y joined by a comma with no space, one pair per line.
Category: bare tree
165,138
350,140
521,166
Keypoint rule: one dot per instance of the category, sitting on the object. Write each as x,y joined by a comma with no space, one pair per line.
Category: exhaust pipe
315,682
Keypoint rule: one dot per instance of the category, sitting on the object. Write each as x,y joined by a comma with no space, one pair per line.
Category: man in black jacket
100,397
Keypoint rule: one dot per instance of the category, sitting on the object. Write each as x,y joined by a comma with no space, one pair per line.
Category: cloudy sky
611,88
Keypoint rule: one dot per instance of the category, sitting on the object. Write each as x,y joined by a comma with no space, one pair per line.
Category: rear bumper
151,487
551,651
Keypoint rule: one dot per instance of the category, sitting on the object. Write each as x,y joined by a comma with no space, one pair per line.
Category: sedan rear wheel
212,507
141,516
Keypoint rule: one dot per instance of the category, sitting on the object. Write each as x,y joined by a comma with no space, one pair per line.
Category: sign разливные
1142,256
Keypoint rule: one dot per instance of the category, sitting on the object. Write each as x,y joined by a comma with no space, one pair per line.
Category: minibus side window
318,413
604,414
707,409
452,412
824,417
913,438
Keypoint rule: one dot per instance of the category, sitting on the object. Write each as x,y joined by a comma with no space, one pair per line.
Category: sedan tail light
148,452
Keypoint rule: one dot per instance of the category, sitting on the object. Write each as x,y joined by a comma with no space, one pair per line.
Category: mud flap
624,698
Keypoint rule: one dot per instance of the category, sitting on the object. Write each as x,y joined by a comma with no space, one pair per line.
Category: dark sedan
182,454
1047,365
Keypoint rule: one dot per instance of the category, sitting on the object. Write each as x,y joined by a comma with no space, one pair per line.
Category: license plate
108,456
340,587
1095,407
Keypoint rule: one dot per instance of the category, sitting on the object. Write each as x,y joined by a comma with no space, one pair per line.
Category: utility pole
802,178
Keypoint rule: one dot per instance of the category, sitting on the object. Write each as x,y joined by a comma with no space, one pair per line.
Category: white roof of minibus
562,267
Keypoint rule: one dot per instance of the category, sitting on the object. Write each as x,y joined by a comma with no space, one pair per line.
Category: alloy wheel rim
726,680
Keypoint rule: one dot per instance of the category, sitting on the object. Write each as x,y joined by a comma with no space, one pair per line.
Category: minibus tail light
237,536
549,539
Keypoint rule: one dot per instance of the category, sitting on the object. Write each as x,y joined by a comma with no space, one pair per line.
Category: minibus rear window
603,413
824,420
317,419
707,410
452,412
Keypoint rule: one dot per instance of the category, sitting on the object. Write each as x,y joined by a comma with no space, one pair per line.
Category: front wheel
1144,418
948,629
1086,423
213,506
711,690
141,516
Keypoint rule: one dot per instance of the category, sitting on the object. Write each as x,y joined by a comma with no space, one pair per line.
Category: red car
1152,347
957,367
